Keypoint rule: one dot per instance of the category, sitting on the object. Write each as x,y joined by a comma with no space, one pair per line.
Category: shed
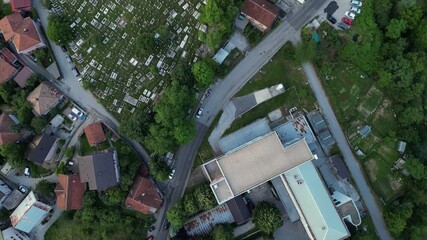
401,146
220,56
364,131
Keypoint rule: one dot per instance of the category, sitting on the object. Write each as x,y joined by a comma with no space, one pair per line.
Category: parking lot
337,9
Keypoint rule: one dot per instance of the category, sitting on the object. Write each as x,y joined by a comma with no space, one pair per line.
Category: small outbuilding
401,146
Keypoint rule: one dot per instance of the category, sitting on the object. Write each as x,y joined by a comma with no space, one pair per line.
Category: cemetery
112,49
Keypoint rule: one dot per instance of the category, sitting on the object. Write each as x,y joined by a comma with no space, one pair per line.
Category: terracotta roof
69,192
22,77
261,10
6,71
43,98
143,196
6,135
23,5
21,30
94,133
8,55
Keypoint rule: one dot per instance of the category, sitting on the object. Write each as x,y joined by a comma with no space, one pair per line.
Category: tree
204,73
58,29
176,215
6,92
160,139
137,125
145,43
204,197
159,169
395,28
39,123
47,4
5,9
382,12
44,187
421,35
190,204
415,168
412,15
13,153
90,199
183,75
396,218
267,217
185,132
223,232
22,107
61,169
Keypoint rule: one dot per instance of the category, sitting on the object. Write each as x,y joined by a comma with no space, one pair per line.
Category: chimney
25,30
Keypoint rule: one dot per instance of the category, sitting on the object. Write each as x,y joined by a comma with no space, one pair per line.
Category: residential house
144,196
7,71
13,234
100,170
43,98
69,192
42,149
7,135
94,133
20,5
8,56
13,200
260,13
29,213
22,77
22,32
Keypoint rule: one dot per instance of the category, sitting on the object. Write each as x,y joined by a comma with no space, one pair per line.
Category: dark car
166,225
331,19
63,48
343,26
152,228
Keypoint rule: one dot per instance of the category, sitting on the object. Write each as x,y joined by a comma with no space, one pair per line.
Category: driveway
350,160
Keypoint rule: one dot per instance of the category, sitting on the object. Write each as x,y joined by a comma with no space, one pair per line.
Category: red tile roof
8,55
21,30
20,5
22,77
261,10
6,134
143,196
69,192
6,71
94,133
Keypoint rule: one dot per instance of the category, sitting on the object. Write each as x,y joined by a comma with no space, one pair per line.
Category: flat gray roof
254,163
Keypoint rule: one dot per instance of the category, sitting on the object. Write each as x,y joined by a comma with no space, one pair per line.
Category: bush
267,217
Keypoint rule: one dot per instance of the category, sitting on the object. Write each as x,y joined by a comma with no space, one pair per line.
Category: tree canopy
58,29
267,217
44,187
204,73
159,169
223,232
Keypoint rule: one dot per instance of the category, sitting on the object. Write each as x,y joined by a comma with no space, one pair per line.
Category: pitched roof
24,5
69,192
143,196
100,170
41,146
261,10
8,55
21,30
239,210
6,71
22,77
94,133
43,98
6,135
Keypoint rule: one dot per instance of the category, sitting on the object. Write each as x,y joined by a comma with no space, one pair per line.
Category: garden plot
122,76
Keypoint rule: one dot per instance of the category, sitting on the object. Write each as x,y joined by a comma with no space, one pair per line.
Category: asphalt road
352,164
224,90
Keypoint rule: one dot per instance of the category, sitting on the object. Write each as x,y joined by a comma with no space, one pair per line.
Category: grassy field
281,69
106,54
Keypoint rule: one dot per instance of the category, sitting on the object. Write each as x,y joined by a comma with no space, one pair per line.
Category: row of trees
199,198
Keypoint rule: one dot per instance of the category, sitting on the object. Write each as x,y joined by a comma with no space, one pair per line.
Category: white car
23,189
351,15
199,113
77,112
72,117
172,173
355,9
356,3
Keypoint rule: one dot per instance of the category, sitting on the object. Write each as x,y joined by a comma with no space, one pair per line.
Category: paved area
239,41
351,162
227,117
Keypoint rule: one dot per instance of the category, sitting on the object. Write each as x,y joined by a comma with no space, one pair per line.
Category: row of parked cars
69,60
350,15
74,114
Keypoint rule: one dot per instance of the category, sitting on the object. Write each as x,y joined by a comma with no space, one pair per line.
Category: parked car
68,58
356,3
351,15
355,10
347,21
77,112
331,19
71,163
199,113
23,189
343,26
75,71
27,172
152,228
166,224
72,117
63,48
171,174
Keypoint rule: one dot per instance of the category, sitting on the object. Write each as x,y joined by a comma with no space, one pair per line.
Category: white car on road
172,173
199,113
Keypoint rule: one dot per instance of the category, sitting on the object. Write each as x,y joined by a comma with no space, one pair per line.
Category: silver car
356,3
355,10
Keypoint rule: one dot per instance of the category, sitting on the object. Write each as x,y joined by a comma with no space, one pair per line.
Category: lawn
281,69
86,149
106,54
205,152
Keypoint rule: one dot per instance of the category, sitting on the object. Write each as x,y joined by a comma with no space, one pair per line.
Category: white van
77,112
27,172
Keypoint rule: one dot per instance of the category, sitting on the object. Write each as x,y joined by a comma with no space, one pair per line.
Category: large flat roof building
252,164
